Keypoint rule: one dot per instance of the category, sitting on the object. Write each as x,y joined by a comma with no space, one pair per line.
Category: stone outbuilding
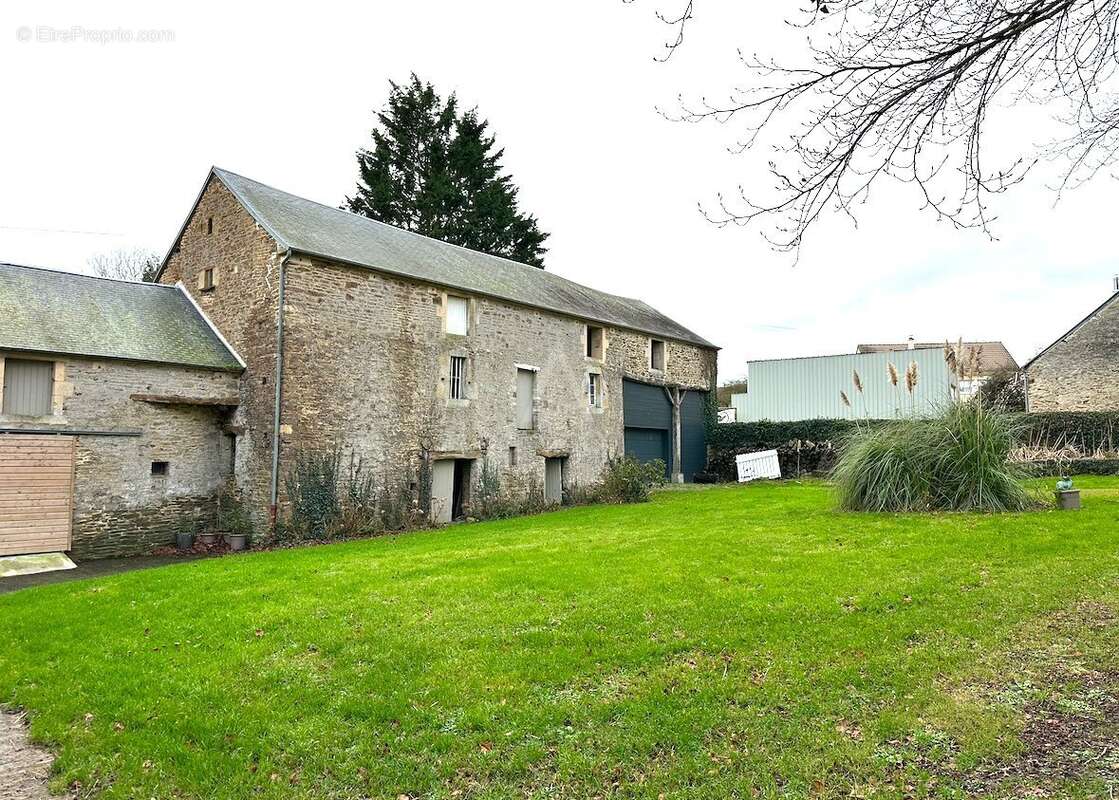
326,331
114,406
1080,370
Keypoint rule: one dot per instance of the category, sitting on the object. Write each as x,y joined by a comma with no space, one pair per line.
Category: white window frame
456,387
594,389
458,324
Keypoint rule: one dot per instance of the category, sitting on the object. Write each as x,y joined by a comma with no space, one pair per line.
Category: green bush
958,461
492,500
312,490
627,480
325,502
232,515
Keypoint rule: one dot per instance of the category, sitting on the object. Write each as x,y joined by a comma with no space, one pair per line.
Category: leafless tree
133,264
904,89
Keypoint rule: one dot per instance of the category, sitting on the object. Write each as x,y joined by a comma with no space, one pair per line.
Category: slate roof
993,356
1091,317
46,311
317,230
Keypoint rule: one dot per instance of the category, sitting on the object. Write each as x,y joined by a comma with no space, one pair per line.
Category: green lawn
720,642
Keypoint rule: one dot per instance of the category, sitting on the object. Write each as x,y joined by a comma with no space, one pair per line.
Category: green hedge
1086,430
1078,466
803,448
811,446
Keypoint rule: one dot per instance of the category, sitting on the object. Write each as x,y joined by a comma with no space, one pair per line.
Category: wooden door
36,493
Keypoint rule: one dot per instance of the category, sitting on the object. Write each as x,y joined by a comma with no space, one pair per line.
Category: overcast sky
106,144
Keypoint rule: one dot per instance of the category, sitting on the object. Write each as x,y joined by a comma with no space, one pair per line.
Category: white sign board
728,415
752,466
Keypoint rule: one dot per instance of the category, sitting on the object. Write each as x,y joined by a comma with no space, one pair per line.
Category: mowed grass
732,641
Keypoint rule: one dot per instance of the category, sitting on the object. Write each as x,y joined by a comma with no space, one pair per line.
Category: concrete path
90,569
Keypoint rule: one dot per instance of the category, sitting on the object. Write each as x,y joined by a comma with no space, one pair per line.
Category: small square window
594,342
656,355
160,468
458,315
594,389
206,280
458,378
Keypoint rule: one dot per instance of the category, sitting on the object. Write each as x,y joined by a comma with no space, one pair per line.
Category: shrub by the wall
627,480
1078,434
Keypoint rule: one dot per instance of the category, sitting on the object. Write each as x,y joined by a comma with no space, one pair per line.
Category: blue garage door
648,421
648,444
648,426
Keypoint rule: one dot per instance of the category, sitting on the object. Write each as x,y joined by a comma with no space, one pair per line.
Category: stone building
1079,371
410,355
114,404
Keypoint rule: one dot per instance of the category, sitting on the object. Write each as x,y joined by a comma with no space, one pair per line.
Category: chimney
1115,283
909,341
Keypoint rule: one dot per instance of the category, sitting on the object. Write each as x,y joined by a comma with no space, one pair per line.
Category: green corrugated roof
46,311
315,229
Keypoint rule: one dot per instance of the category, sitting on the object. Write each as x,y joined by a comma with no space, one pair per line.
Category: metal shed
791,389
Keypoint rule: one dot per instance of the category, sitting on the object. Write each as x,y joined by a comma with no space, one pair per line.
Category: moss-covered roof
46,311
313,229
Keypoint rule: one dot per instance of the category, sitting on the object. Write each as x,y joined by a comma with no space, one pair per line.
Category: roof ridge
837,355
259,217
83,275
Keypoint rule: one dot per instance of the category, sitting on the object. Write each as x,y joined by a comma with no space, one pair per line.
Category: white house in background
824,387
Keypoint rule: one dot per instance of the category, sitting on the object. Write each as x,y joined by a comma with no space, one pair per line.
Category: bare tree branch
904,90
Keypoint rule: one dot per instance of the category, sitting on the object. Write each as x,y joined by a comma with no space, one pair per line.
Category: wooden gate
36,493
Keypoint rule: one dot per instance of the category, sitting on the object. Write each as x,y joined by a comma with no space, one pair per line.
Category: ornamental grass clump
957,461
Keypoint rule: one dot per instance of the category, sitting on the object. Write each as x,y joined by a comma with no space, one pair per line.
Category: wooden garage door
36,493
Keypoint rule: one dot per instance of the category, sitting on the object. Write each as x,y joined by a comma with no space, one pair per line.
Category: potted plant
234,520
210,538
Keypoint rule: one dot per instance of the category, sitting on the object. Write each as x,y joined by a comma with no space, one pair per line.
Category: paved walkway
90,569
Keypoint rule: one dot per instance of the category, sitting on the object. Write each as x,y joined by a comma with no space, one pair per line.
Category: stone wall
1080,372
222,236
120,507
367,364
366,361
